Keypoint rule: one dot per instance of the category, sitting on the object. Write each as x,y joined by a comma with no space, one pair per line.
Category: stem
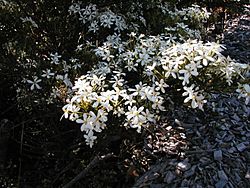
20,158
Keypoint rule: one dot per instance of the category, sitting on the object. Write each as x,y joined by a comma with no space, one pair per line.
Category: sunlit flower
130,100
138,89
135,117
135,114
204,57
244,91
161,85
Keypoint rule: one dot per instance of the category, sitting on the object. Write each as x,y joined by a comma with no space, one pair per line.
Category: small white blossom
75,8
34,83
55,58
161,85
107,19
136,117
90,138
94,26
48,74
204,57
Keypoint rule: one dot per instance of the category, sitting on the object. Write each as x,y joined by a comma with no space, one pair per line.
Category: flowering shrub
54,71
119,72
160,64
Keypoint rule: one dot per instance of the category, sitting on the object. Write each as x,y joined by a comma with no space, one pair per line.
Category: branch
91,165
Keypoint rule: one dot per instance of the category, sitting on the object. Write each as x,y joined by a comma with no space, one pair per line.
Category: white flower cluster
156,61
194,15
57,76
136,75
195,12
91,16
96,97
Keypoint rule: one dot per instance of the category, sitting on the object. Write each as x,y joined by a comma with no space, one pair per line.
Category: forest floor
215,148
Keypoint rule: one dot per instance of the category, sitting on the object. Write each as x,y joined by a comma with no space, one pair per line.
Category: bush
130,60
104,39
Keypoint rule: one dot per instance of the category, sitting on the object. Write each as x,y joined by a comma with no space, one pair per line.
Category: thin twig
20,158
63,171
8,109
92,164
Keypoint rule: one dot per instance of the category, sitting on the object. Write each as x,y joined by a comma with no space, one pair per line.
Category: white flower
114,40
98,100
94,26
119,111
107,19
47,73
90,138
170,69
55,58
82,85
73,112
131,66
189,92
65,80
87,124
158,104
95,80
104,52
97,121
244,91
107,98
79,48
138,89
55,93
150,117
76,66
108,95
135,114
197,100
117,82
119,92
66,67
161,86
34,83
204,57
190,69
129,100
120,24
135,117
148,93
75,8
66,109
144,57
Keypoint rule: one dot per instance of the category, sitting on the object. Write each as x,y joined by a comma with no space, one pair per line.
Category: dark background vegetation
36,148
